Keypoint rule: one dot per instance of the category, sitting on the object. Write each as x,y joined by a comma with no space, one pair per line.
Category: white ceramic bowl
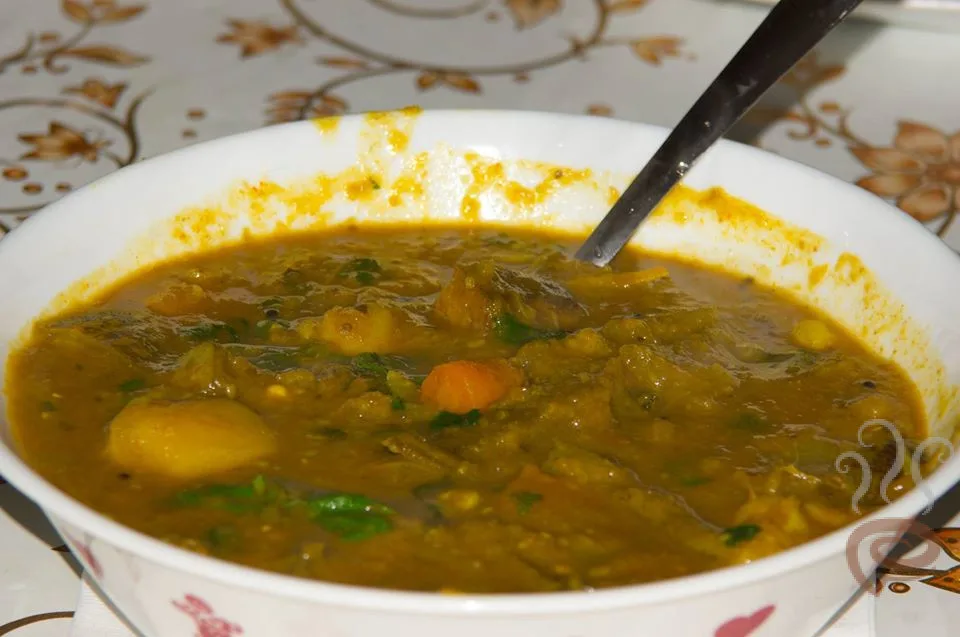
903,302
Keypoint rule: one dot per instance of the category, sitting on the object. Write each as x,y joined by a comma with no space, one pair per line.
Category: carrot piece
461,386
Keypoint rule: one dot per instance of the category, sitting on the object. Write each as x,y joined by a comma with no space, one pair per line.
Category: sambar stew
456,409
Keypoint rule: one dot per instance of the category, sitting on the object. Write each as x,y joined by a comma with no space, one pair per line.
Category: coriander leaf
351,517
354,527
376,367
509,330
361,264
329,433
217,491
446,419
222,537
397,404
750,421
237,498
262,327
346,502
526,500
370,365
212,332
132,385
742,533
363,270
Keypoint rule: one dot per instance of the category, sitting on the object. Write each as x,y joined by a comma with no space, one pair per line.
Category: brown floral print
48,49
115,138
99,91
627,5
600,110
256,37
100,11
921,170
459,81
818,124
104,54
810,72
361,62
288,106
654,50
61,142
530,13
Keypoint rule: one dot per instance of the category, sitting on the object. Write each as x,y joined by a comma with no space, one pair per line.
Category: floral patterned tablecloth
88,86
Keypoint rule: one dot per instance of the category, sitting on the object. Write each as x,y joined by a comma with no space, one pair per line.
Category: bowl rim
58,505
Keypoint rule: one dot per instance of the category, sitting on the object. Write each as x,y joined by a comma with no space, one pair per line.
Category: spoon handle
789,31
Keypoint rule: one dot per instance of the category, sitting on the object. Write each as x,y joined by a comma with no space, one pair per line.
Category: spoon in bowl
790,31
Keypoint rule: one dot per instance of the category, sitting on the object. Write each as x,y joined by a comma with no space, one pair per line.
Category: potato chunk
813,335
187,440
354,330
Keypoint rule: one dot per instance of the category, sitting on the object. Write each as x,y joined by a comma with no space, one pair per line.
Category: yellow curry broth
290,404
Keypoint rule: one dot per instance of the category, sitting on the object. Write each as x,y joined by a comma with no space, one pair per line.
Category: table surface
87,86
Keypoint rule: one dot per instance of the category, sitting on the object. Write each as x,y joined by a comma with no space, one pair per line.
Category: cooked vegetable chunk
479,294
354,330
598,286
461,386
813,334
187,440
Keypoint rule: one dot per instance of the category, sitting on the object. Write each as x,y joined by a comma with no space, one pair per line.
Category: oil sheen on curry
456,409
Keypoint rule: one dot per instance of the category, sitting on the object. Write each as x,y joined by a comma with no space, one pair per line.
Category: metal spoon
790,31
